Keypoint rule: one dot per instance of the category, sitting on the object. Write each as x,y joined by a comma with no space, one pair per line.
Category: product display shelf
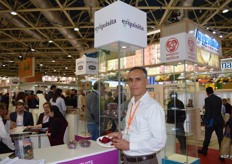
181,120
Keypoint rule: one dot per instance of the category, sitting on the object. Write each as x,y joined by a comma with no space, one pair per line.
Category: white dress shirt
60,104
147,132
4,136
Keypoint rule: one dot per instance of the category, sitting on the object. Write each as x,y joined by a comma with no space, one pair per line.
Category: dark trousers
208,133
180,135
4,148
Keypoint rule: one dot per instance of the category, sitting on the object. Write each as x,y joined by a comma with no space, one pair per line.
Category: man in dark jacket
213,119
21,117
176,115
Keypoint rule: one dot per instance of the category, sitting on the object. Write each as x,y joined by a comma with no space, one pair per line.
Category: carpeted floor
213,158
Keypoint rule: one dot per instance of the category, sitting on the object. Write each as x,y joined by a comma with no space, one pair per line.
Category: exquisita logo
134,25
104,25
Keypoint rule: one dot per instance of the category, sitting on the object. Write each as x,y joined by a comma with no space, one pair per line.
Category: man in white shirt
145,132
6,144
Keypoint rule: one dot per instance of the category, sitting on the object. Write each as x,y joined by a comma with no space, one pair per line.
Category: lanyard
131,116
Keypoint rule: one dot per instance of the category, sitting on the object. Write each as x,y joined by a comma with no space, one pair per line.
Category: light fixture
225,10
53,61
66,67
124,47
221,36
13,12
207,28
54,70
69,56
50,41
41,65
214,32
153,32
32,49
76,29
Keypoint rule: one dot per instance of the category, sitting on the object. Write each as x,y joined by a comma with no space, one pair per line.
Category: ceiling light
50,41
207,28
66,67
221,36
153,32
32,49
214,32
76,29
4,65
225,10
41,65
123,47
69,56
54,70
13,13
53,61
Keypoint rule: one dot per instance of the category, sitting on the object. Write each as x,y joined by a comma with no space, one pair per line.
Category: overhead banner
86,66
178,47
120,23
27,68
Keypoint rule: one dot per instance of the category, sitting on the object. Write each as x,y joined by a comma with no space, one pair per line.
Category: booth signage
86,66
27,68
120,23
178,47
206,42
226,64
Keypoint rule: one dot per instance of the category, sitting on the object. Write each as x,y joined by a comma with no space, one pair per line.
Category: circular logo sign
171,45
190,44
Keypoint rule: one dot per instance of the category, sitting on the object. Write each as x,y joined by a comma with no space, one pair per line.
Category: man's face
137,83
20,109
2,112
46,108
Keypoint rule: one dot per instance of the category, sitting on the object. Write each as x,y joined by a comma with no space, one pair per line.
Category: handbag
225,148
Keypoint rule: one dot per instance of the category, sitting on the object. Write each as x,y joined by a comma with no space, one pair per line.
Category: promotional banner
178,47
86,66
120,23
27,68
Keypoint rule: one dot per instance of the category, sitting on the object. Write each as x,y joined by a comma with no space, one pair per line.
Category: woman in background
57,127
59,101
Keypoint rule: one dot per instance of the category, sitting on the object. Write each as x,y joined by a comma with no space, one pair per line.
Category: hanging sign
120,23
178,47
86,66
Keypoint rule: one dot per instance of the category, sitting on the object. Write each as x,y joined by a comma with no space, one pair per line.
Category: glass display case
179,102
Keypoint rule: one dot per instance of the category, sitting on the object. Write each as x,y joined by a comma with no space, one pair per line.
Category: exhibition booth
186,61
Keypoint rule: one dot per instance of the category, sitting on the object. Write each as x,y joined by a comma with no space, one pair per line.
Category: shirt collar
143,99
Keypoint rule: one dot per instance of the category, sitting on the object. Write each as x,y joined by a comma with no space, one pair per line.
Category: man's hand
113,135
121,144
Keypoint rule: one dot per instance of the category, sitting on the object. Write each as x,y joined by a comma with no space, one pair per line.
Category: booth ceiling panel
39,21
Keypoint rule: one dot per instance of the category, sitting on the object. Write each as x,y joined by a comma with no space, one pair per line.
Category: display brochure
23,148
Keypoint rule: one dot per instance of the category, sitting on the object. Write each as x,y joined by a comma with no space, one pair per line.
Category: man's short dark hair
52,87
209,90
97,84
140,68
173,94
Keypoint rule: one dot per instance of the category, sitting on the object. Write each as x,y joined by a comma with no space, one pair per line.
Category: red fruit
105,140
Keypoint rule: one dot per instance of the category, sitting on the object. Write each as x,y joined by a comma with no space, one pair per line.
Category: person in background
227,106
6,145
59,101
176,115
190,103
213,120
22,96
92,109
21,117
74,97
44,117
122,95
51,93
57,126
145,131
68,98
33,100
109,99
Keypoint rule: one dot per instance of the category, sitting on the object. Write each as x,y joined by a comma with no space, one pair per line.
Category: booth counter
61,154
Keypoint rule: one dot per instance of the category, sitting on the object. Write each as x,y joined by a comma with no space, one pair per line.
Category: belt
140,158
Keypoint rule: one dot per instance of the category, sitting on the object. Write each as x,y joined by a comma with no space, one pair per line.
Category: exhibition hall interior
66,64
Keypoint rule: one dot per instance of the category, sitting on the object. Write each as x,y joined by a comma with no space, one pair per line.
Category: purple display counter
95,154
